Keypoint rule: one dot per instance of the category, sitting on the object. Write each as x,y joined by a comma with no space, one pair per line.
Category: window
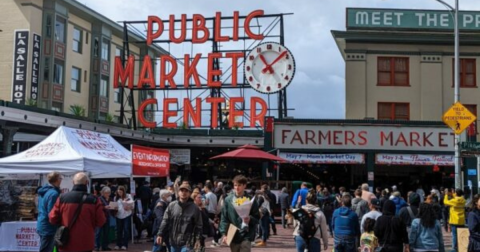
46,70
49,26
472,129
393,111
116,119
468,72
104,87
58,73
118,51
56,106
393,71
105,52
77,40
60,30
95,47
75,82
116,95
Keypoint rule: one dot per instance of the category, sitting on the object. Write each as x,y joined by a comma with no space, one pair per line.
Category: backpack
368,242
307,228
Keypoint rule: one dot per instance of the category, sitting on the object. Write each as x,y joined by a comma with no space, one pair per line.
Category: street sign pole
458,177
455,10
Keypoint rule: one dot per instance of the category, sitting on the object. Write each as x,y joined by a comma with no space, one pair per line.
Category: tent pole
132,192
89,187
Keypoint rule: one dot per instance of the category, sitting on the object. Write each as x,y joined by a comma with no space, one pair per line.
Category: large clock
269,67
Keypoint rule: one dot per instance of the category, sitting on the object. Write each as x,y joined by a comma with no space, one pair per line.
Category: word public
124,74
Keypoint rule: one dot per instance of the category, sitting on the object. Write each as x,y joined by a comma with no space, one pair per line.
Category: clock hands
269,66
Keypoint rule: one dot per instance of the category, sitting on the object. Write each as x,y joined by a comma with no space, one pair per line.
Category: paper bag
232,230
113,205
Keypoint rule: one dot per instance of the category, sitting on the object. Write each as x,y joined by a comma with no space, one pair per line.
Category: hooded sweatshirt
47,196
320,223
399,203
345,222
360,206
390,229
457,209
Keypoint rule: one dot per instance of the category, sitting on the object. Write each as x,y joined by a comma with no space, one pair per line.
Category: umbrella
249,152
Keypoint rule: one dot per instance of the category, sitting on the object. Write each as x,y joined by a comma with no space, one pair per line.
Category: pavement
283,241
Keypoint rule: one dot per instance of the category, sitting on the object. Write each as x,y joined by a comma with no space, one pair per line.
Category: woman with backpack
311,227
391,231
474,225
426,231
368,240
265,211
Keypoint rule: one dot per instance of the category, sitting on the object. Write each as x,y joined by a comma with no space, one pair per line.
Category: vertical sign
37,40
20,61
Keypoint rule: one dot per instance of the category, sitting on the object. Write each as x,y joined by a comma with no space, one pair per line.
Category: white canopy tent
69,150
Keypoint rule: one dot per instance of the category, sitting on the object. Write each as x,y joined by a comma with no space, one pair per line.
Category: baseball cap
375,203
185,186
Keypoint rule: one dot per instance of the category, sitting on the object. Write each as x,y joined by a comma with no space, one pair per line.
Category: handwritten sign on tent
150,161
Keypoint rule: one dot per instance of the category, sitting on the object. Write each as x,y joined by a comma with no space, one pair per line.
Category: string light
308,172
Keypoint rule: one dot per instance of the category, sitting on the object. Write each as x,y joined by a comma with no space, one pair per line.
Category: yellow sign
458,118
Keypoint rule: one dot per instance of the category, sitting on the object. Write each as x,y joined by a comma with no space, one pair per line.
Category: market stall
69,150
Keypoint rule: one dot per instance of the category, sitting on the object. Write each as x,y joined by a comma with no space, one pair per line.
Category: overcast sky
318,89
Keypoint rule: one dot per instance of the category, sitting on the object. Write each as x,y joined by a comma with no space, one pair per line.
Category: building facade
64,57
399,64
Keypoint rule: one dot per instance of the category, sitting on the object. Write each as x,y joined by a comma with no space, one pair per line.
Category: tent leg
89,188
132,189
131,231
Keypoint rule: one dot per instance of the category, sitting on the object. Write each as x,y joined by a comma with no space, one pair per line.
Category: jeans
159,247
344,243
454,237
284,221
156,247
313,245
265,226
124,226
46,243
180,249
272,222
101,235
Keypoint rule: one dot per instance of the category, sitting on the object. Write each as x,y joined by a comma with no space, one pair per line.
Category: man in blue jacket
346,227
300,196
47,196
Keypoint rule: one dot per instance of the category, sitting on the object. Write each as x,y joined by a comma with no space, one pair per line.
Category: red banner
150,161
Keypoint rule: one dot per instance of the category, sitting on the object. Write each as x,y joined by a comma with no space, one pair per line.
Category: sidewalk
283,241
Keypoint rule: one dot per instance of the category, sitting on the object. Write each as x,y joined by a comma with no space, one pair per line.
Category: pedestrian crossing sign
458,118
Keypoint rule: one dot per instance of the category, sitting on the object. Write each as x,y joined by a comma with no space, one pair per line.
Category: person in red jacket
82,233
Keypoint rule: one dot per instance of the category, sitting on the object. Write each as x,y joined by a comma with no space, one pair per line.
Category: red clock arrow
269,66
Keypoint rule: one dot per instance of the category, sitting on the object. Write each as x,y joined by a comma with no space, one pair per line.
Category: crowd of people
180,216
385,221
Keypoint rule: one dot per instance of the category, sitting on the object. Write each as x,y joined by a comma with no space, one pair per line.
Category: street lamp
458,177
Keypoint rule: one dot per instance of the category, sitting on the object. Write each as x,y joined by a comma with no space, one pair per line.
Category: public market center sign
200,33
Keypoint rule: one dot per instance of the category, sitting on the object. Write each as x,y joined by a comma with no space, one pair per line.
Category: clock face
269,67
